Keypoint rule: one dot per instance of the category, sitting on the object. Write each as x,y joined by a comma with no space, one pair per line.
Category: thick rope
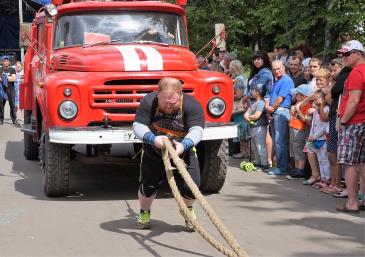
237,249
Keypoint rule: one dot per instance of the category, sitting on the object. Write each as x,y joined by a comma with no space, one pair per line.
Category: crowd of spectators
10,77
300,117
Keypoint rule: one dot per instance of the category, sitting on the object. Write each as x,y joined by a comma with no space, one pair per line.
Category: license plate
129,136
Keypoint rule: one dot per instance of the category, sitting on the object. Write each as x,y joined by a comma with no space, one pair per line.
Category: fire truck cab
88,65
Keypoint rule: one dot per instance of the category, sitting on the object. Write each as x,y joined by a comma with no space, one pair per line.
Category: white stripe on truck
154,58
130,57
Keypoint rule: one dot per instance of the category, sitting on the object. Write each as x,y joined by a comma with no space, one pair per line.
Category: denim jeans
258,135
11,99
280,135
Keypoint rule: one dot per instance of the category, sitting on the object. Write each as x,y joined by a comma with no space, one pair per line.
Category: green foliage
269,23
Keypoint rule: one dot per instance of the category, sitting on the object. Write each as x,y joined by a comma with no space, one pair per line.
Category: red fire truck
88,65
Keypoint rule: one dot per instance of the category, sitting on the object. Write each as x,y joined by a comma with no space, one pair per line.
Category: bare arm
238,93
322,114
255,116
12,78
306,100
271,109
352,104
308,117
247,114
277,102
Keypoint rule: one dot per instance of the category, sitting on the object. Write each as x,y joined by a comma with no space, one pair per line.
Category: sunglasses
347,54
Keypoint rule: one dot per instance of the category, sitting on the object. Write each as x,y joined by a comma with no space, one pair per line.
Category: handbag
317,143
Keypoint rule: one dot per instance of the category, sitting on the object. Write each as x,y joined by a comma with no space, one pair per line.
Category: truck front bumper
123,135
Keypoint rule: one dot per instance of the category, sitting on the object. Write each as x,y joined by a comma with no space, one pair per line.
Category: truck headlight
216,89
68,109
216,106
67,92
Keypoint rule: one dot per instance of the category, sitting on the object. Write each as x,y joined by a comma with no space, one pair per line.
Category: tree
203,14
268,23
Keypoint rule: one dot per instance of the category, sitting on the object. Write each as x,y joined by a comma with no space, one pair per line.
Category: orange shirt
297,123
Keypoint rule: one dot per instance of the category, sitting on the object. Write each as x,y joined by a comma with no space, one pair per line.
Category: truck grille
63,59
124,96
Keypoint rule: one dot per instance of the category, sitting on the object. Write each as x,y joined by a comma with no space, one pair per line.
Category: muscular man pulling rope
167,113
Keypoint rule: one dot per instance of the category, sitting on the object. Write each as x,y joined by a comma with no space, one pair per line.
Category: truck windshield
120,27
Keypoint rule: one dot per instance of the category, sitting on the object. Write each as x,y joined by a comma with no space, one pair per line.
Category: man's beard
169,110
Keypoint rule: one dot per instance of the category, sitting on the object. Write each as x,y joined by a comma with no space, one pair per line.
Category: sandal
331,189
341,194
317,185
343,208
311,180
323,184
327,189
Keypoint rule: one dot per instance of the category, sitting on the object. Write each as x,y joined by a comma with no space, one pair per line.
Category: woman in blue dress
261,74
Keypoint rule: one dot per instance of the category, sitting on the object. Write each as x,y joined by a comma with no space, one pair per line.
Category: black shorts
332,135
152,172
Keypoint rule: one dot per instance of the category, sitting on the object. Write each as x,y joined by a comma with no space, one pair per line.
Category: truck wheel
30,147
213,161
55,166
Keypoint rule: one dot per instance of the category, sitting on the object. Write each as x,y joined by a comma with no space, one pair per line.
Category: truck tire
213,162
55,166
31,148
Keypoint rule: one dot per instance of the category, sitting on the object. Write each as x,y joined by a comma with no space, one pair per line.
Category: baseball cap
259,88
303,89
5,57
350,46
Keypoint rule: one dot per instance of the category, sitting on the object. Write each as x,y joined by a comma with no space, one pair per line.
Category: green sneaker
144,220
189,226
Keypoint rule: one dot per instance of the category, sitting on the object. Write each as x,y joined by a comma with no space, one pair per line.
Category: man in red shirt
351,136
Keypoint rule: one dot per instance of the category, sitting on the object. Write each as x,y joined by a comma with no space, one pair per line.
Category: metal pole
20,4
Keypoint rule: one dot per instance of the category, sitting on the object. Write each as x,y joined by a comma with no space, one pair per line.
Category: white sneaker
239,156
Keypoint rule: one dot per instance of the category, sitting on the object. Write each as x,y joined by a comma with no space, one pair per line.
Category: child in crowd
299,126
323,79
256,117
316,143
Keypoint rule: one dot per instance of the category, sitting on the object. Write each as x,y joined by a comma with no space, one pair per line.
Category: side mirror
50,10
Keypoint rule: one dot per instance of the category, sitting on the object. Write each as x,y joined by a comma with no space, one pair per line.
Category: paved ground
268,216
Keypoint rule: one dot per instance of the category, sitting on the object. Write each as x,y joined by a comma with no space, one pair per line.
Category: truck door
39,58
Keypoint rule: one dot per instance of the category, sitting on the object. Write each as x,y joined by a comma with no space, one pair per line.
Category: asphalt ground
269,216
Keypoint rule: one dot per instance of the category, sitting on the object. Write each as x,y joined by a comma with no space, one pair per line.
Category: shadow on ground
87,182
128,227
298,198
